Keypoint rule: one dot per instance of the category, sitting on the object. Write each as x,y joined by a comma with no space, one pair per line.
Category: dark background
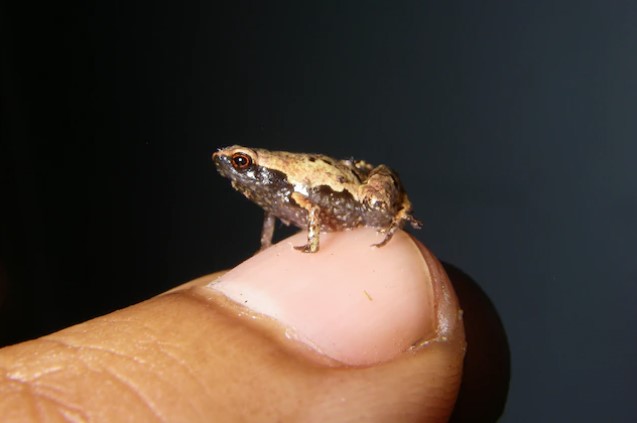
512,124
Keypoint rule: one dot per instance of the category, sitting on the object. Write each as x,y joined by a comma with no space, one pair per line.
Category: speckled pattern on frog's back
316,169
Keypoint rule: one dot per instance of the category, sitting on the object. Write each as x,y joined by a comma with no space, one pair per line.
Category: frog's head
249,171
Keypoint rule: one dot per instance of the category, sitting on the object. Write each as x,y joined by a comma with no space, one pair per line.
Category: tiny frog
316,192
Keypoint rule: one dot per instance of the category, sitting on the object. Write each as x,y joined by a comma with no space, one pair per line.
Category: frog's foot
396,224
307,248
415,223
389,233
312,245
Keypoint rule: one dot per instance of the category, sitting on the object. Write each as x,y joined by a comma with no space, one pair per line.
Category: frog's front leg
268,230
313,224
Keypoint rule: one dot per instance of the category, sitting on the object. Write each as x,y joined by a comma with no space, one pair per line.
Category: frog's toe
415,223
388,236
307,248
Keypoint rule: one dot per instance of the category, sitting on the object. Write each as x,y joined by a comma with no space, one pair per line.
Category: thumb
351,333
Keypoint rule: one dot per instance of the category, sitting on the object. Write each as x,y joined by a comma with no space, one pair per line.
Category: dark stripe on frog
272,192
338,210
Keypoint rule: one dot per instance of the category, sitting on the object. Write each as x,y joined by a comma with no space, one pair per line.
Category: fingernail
354,303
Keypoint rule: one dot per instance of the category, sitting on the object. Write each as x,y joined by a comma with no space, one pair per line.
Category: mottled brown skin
316,192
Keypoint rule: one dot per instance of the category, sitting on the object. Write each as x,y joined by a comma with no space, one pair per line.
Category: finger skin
487,364
190,356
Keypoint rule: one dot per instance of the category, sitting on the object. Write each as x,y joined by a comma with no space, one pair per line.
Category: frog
317,192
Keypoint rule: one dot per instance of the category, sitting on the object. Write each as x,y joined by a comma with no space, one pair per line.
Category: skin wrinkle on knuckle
136,392
27,377
46,403
158,372
95,360
81,349
44,397
129,384
149,355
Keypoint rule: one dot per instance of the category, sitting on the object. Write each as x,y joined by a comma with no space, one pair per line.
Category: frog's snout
218,158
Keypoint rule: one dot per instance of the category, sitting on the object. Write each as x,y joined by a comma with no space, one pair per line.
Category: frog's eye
241,161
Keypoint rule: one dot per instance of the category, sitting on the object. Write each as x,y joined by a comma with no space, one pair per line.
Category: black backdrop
512,125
